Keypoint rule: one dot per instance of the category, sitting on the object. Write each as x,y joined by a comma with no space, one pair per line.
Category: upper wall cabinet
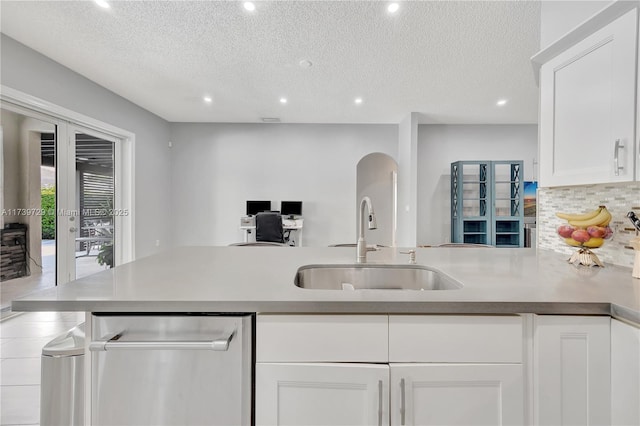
588,102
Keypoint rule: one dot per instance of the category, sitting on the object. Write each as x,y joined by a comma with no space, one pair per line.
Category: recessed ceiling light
103,4
305,63
393,7
283,100
501,102
249,6
270,120
358,101
207,99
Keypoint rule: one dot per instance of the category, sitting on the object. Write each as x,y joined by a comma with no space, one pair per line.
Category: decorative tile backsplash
619,199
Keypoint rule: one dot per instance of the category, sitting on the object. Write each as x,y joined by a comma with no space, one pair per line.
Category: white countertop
260,279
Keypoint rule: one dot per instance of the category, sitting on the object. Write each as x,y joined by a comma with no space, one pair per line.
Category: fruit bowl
586,231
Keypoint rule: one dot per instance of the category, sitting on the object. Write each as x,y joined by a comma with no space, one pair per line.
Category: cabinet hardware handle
111,343
402,402
379,402
616,158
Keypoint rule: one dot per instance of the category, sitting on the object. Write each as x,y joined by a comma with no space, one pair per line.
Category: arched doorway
377,179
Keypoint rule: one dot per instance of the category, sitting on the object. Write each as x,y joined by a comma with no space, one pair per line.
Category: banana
594,242
577,216
607,221
601,219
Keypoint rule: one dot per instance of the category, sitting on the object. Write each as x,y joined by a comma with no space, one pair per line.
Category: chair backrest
269,227
260,244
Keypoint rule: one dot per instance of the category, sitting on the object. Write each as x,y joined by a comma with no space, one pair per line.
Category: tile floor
22,336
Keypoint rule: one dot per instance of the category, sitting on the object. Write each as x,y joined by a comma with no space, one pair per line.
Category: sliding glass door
58,199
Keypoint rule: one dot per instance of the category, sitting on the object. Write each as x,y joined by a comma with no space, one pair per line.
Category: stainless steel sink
373,277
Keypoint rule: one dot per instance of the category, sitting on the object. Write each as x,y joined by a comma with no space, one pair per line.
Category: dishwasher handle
112,343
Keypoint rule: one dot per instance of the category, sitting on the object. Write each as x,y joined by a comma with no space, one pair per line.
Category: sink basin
373,277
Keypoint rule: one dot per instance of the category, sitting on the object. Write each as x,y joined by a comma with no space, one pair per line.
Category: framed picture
530,189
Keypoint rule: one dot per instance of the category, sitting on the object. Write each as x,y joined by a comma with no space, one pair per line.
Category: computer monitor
291,208
255,207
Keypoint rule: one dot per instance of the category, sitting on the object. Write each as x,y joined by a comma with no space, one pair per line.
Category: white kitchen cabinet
298,379
457,394
322,394
625,374
572,370
587,108
456,369
360,394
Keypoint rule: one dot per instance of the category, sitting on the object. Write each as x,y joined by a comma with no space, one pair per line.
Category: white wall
217,167
559,17
11,164
440,145
28,71
407,181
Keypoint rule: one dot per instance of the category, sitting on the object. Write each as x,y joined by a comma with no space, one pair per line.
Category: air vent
270,120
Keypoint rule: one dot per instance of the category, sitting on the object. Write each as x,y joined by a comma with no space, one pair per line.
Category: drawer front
322,338
459,338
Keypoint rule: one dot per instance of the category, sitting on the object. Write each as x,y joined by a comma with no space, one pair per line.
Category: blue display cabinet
487,204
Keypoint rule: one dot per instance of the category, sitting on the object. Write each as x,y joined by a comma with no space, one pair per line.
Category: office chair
259,243
269,227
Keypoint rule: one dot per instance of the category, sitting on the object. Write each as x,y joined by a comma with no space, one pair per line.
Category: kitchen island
261,279
528,339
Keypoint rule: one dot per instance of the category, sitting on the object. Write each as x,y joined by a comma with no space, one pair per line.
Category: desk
290,226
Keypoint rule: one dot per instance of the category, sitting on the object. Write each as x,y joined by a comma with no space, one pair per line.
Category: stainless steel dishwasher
191,369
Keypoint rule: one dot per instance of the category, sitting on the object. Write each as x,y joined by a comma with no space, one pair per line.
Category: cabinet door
457,394
625,374
322,394
587,103
572,370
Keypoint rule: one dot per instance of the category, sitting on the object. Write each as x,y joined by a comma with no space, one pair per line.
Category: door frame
67,195
124,183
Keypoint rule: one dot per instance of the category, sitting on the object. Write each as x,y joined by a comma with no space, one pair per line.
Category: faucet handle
412,256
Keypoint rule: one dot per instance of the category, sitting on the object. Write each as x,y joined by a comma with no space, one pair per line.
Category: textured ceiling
449,61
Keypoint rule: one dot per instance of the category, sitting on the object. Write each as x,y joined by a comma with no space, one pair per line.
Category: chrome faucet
361,247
